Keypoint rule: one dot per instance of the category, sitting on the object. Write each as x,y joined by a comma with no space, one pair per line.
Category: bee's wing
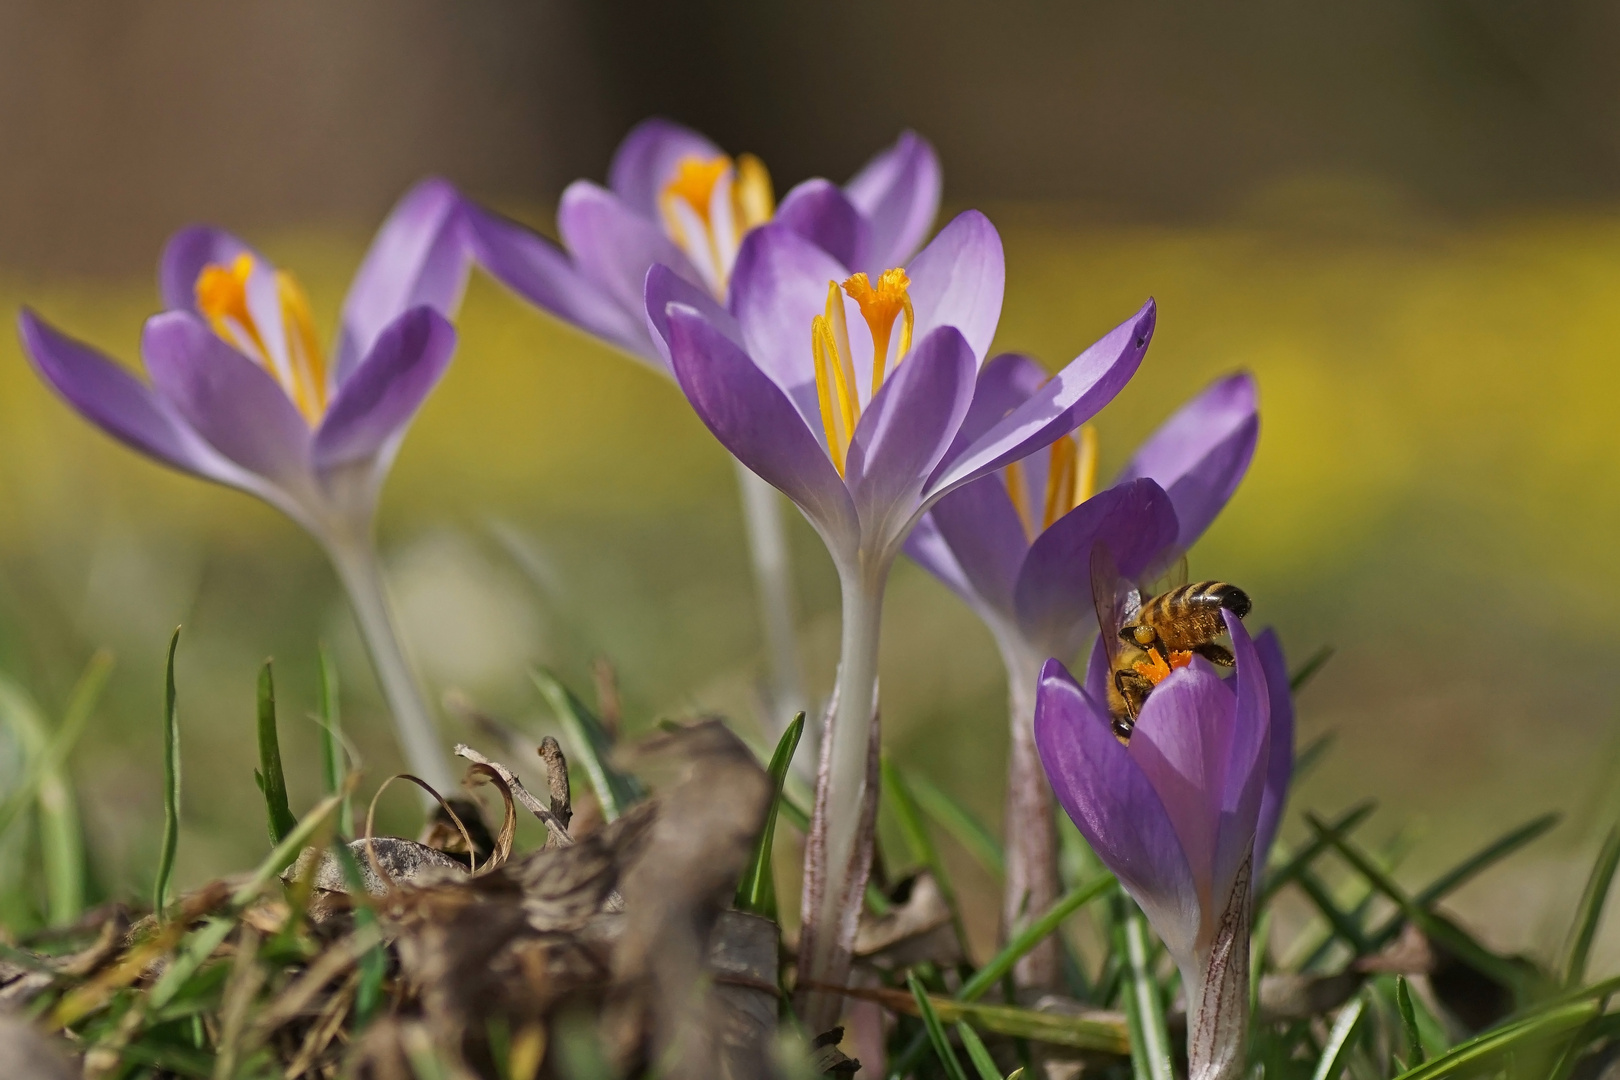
1111,597
1167,578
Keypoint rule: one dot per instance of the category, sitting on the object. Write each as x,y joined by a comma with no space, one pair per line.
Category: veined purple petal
420,257
1280,748
753,419
184,257
373,406
1109,799
531,266
898,191
665,287
1052,593
613,245
1200,454
819,211
981,529
646,160
1250,759
907,428
1072,397
1182,742
778,287
226,398
1005,382
958,279
117,402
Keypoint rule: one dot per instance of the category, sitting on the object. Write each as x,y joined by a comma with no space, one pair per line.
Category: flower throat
298,365
881,305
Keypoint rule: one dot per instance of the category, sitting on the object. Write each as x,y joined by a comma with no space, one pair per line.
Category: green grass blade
1307,671
592,745
271,780
1458,875
993,972
1306,761
1590,911
960,823
1150,1052
1414,1039
897,793
936,1031
61,834
1344,925
756,892
1439,930
1466,1058
983,1063
171,786
1340,1040
334,763
1346,823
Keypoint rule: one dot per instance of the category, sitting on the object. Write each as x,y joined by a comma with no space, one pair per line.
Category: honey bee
1145,640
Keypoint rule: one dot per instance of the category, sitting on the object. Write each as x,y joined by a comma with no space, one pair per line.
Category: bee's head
1234,599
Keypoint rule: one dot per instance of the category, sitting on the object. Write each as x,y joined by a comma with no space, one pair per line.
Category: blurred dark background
1404,217
124,120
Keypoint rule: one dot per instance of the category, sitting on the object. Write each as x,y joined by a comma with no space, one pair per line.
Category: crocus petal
907,428
184,257
1071,398
420,257
372,408
1005,382
1182,742
778,287
753,419
531,266
1052,593
898,191
118,403
1111,802
226,398
1250,758
646,160
928,549
958,279
986,539
613,245
1280,752
1201,453
820,212
665,287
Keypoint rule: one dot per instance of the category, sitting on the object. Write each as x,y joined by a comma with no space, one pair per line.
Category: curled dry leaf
916,930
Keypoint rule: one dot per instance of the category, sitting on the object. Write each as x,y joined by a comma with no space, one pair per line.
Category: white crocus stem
837,857
1218,992
773,588
354,556
1032,885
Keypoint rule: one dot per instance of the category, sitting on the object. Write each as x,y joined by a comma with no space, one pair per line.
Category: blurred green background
1404,218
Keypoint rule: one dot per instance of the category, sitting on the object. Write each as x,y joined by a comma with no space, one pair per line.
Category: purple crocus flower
1175,814
676,199
241,393
851,396
1016,547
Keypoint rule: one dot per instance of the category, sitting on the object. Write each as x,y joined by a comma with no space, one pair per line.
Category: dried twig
558,831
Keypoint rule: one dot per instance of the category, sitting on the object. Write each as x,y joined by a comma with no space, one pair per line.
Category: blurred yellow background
1435,494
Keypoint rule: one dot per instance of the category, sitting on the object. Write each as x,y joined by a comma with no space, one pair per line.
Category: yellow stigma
710,229
1071,479
880,305
1155,670
222,297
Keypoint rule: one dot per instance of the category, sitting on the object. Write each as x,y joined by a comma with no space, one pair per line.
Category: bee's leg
1215,654
1133,689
